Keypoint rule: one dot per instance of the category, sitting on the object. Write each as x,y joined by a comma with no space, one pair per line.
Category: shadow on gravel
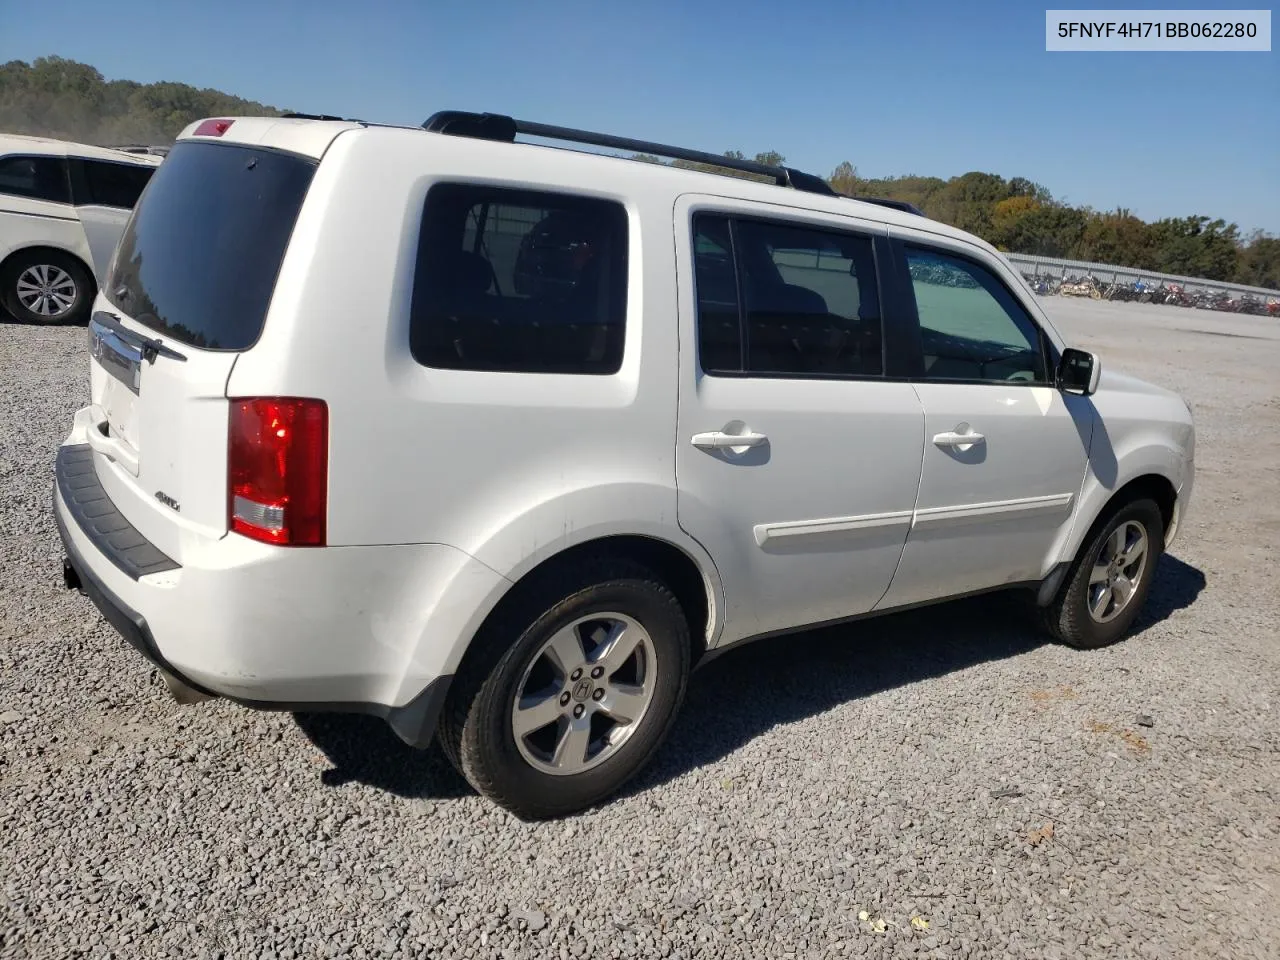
752,689
364,750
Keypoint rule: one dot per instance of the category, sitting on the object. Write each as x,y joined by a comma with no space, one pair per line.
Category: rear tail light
278,468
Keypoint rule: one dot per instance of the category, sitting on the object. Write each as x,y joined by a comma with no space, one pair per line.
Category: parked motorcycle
1088,287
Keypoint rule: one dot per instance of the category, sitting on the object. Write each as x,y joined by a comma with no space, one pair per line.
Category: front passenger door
1005,450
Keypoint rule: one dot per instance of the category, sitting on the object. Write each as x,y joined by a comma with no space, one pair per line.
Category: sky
931,88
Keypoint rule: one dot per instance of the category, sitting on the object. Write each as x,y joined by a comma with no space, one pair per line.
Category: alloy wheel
46,290
584,693
1117,571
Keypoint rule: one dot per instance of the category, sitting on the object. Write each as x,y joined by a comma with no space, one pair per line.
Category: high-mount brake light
277,469
212,128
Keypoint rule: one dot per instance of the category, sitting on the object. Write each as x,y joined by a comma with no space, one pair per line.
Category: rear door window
520,281
719,325
781,299
115,184
39,178
199,258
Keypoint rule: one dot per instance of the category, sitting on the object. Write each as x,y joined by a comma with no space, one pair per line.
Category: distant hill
62,98
72,101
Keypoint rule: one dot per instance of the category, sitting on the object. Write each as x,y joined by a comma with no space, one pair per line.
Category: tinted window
719,326
809,300
41,178
520,281
971,325
115,184
199,258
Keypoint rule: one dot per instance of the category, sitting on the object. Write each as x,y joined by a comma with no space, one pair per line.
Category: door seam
915,503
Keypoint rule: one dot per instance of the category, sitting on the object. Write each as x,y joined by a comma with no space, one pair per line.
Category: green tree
1047,230
1022,187
1119,238
912,189
967,201
1008,217
844,179
1259,264
1196,247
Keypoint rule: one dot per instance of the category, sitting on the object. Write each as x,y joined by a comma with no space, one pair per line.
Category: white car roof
312,137
47,146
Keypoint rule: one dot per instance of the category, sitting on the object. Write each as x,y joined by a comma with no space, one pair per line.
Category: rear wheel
46,287
1109,581
571,689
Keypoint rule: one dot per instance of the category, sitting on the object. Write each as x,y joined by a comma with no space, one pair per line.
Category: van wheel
563,702
1110,579
46,287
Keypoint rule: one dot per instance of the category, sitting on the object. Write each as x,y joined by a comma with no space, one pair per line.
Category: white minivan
497,440
63,207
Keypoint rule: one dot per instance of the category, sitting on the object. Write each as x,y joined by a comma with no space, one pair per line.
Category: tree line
56,97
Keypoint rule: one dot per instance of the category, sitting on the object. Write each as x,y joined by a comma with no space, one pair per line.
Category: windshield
199,258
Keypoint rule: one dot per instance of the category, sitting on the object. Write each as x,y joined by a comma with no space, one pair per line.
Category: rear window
199,259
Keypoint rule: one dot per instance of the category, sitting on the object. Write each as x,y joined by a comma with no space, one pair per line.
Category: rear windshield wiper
150,347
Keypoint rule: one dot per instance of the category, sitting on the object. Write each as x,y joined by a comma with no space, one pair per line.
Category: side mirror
1078,372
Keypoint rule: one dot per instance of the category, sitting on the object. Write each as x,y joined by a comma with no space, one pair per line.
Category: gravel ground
939,783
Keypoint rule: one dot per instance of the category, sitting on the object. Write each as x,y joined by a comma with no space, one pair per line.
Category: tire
57,287
1069,617
477,726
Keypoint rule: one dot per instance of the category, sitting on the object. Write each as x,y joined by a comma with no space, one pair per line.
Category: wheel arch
1155,486
1152,484
694,583
49,248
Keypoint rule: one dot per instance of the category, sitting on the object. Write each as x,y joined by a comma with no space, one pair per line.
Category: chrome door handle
718,440
953,439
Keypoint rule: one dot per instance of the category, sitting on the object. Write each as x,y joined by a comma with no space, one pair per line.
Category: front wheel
586,671
1109,581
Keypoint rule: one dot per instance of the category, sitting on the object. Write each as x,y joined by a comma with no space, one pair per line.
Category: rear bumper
128,622
275,628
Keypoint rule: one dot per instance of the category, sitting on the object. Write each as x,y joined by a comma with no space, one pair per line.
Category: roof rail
495,126
895,204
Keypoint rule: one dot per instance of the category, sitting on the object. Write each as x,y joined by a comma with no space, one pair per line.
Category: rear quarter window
519,281
199,258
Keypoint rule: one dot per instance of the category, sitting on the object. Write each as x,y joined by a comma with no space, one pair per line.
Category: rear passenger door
797,454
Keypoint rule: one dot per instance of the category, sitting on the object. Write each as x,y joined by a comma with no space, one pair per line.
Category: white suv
497,440
63,207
